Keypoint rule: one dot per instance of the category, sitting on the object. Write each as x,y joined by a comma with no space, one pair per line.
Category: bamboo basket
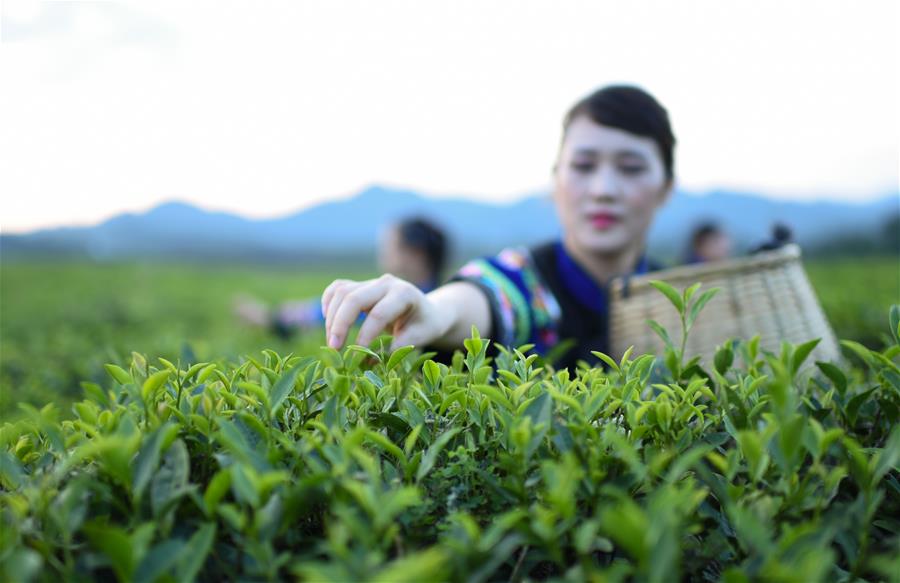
767,294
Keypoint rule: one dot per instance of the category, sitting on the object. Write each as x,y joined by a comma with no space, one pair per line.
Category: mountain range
348,228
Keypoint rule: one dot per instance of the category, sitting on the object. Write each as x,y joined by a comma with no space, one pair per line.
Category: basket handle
626,286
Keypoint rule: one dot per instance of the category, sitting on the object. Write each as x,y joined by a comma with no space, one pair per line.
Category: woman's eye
632,170
582,166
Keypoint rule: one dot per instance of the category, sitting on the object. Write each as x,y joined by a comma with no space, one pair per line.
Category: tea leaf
423,566
365,351
698,306
724,358
757,458
116,545
888,458
154,382
671,293
148,457
23,564
855,403
627,524
205,373
612,364
864,353
283,387
801,352
160,559
689,293
473,344
398,355
171,479
894,318
11,471
194,369
835,375
243,484
386,444
661,332
195,552
494,395
118,374
432,372
216,490
432,453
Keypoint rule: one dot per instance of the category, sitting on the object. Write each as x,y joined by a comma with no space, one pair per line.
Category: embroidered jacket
542,296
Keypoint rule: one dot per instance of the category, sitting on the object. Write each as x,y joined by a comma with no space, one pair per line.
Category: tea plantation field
59,323
386,466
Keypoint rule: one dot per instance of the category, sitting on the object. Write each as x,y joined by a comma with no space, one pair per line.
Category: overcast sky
267,107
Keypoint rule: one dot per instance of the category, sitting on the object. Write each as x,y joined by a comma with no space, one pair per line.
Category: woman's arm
442,319
469,307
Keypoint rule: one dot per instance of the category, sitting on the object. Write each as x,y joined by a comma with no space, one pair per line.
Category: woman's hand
390,303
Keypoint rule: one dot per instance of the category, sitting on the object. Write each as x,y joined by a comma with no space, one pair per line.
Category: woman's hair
630,109
421,234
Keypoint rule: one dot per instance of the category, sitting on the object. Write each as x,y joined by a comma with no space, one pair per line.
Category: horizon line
875,196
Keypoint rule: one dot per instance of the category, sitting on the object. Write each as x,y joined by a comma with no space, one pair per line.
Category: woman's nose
605,184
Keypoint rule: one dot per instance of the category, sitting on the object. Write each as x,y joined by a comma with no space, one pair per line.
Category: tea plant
367,465
61,321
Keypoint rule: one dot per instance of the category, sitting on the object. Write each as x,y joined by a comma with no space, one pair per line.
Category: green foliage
855,293
365,465
688,305
60,322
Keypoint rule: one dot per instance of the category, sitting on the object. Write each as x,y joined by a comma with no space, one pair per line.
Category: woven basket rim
766,259
753,288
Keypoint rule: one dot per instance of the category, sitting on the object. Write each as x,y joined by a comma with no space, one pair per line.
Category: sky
264,108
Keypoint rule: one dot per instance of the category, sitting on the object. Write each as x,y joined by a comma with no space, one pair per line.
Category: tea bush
372,465
60,322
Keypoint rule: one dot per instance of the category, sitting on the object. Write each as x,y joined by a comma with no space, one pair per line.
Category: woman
614,170
414,249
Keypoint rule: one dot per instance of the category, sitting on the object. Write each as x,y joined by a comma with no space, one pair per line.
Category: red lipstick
603,220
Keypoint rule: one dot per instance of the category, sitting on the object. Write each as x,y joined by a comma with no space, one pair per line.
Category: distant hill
345,228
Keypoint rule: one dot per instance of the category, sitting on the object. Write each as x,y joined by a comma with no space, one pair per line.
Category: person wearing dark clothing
781,236
541,296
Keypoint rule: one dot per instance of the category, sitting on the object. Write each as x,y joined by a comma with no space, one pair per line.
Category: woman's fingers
336,292
393,306
327,294
347,303
387,300
416,334
330,291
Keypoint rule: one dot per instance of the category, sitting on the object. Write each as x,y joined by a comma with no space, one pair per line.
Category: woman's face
608,184
392,253
715,247
398,258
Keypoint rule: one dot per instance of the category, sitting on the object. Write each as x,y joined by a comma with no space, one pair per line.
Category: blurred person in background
781,236
414,250
709,242
614,170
